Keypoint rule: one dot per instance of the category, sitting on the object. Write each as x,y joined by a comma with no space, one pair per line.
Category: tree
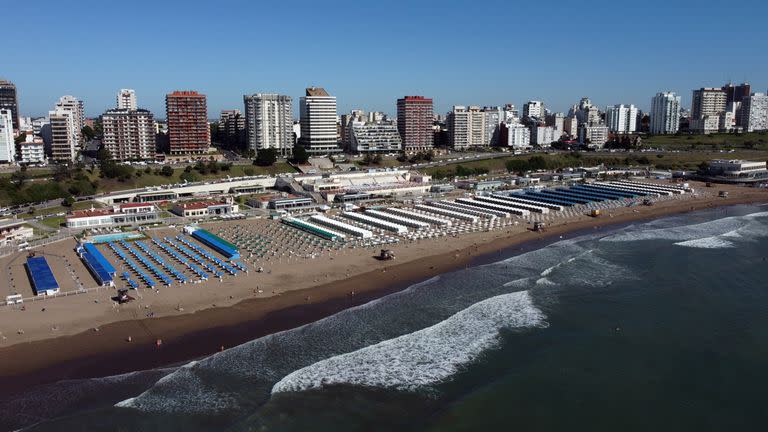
213,167
68,201
266,157
201,167
519,166
103,154
166,171
189,176
300,155
18,178
88,133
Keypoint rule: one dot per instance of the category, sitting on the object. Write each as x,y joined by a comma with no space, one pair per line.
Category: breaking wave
716,233
425,357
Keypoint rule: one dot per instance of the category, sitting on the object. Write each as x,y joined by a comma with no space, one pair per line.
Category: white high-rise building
593,135
557,121
534,109
126,99
71,103
517,135
269,122
7,143
317,112
621,118
129,134
466,127
665,113
754,112
32,150
374,137
543,136
64,135
707,105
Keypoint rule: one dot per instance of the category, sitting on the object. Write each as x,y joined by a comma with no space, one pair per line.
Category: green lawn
61,209
752,140
54,221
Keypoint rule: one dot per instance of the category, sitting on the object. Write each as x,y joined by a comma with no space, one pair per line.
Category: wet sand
79,352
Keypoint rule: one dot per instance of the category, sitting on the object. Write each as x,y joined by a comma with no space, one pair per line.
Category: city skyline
663,59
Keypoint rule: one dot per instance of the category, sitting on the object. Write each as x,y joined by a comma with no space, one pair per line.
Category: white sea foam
716,242
544,282
424,357
744,228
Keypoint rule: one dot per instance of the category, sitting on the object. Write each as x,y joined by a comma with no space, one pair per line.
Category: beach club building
97,264
13,231
204,208
121,214
41,276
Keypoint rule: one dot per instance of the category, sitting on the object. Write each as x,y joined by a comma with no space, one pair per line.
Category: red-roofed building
121,214
204,208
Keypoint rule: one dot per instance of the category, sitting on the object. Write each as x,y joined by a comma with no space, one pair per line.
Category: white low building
738,169
123,214
205,208
14,231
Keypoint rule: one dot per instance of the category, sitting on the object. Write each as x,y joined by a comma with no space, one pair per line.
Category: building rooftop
316,91
90,213
199,205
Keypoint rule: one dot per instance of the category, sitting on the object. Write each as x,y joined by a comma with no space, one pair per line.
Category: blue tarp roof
99,266
220,245
41,275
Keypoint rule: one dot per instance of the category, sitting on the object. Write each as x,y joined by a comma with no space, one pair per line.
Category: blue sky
370,53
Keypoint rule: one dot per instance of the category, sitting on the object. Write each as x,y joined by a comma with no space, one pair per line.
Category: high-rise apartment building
374,137
665,113
32,150
232,126
466,127
10,100
187,117
317,112
593,135
515,135
129,134
557,121
754,112
533,109
707,105
269,122
7,143
63,135
414,122
126,99
621,118
735,94
708,101
73,104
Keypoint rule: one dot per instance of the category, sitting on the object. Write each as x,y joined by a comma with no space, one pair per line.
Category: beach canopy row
207,255
194,257
216,243
164,278
149,281
96,263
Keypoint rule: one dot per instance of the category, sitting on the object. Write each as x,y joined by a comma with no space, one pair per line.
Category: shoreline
197,334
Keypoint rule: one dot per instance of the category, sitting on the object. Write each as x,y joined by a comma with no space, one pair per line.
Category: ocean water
654,326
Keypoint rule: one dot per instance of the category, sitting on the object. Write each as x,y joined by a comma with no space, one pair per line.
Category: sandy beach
86,335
